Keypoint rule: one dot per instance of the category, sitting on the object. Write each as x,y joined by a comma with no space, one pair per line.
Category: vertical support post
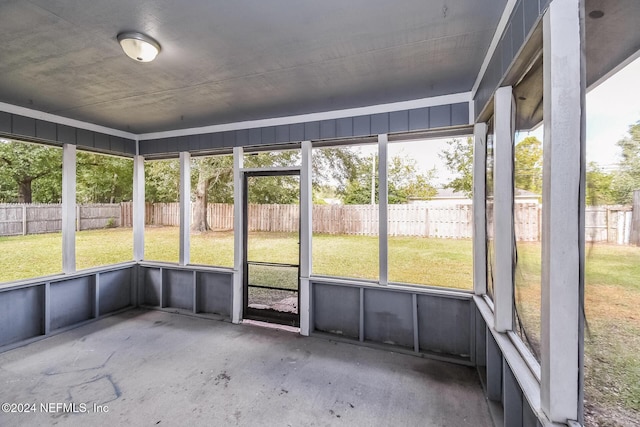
383,197
479,209
78,218
138,208
68,208
237,294
306,233
503,210
563,210
185,207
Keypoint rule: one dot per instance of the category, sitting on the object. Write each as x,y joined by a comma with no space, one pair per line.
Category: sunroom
287,257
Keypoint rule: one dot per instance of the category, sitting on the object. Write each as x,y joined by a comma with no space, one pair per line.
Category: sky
612,107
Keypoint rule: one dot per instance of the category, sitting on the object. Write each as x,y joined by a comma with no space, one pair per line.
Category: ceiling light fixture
139,47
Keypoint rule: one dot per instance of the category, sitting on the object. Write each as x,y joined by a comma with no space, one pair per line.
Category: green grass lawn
612,356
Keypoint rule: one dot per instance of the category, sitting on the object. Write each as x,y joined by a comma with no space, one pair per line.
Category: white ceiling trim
327,115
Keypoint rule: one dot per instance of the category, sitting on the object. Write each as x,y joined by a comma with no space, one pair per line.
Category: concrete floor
157,368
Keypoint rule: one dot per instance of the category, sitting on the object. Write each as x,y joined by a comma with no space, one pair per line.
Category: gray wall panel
217,140
481,340
255,136
66,134
172,145
282,133
362,126
528,417
380,123
183,143
311,131
328,129
399,121
214,293
5,122
21,314
444,325
344,127
85,138
531,13
512,398
520,24
204,141
440,116
460,114
494,369
242,138
24,126
506,46
229,139
115,290
388,317
296,132
193,142
27,127
177,289
46,130
268,135
152,284
71,302
336,309
347,127
419,119
101,141
517,28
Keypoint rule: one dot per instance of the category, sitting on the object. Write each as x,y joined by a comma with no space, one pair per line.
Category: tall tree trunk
199,222
24,191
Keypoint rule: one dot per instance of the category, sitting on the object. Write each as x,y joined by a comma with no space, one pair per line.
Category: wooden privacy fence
22,219
612,224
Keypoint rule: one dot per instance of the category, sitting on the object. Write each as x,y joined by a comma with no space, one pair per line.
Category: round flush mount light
139,47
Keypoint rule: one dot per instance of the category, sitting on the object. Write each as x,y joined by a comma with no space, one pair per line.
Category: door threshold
271,325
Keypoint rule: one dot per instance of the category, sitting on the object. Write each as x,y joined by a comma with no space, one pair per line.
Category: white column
68,208
383,198
306,233
238,242
562,208
185,207
503,210
138,208
479,209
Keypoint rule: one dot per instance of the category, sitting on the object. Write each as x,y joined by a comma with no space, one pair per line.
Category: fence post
634,239
24,220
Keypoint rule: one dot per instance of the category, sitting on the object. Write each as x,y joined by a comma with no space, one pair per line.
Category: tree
103,179
403,181
528,165
162,181
458,158
213,178
627,178
30,173
599,191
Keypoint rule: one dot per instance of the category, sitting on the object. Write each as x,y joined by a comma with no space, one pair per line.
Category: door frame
292,319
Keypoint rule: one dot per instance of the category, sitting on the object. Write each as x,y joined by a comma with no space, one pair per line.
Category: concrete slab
157,368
